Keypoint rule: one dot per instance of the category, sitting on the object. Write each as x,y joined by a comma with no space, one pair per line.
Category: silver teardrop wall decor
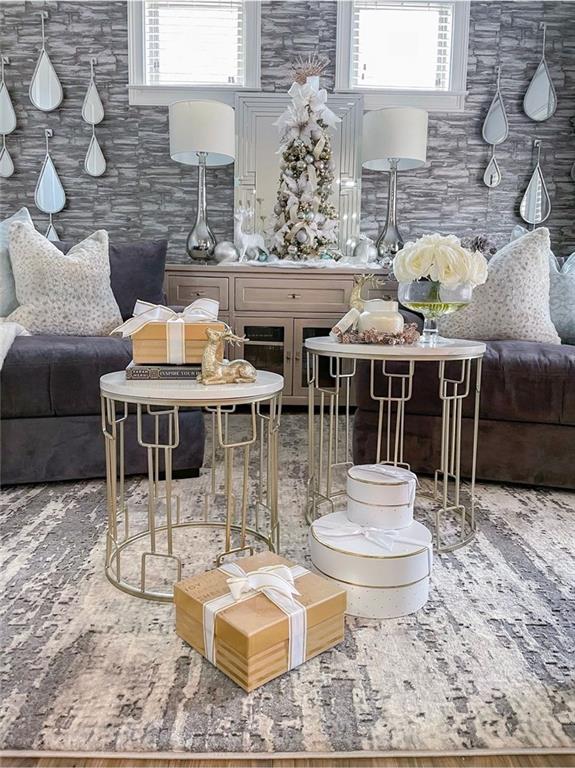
49,195
535,206
7,113
540,101
92,108
45,89
7,123
51,233
492,175
95,162
93,113
6,164
496,126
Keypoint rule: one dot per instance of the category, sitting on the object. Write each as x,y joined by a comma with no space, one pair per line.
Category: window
192,48
403,52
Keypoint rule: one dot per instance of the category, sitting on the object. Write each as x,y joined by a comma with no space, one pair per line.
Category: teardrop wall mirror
535,206
492,175
45,89
540,101
93,113
49,195
7,123
496,126
92,108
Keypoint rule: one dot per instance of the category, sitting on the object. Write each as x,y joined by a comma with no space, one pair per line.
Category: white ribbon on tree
277,583
199,311
381,537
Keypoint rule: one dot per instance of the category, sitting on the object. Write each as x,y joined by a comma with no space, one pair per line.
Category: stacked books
168,372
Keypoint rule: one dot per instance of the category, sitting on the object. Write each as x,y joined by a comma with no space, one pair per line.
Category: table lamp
394,139
202,133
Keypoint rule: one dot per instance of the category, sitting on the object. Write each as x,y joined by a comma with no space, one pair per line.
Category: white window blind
194,42
401,45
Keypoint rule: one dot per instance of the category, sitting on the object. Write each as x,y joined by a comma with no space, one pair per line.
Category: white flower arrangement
440,258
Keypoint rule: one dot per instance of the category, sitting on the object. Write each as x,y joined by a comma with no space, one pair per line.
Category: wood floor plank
448,761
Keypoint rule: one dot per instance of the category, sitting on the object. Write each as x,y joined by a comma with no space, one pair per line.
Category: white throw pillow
65,294
7,289
563,297
514,302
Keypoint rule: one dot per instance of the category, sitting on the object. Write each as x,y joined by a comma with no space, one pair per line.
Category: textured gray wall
145,194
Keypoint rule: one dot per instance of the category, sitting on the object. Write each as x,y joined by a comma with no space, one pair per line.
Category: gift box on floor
386,573
380,495
161,336
258,617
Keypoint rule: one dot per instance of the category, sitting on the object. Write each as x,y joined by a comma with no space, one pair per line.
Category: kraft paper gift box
247,635
161,336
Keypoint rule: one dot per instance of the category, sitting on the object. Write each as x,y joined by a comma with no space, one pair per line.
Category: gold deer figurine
215,371
355,300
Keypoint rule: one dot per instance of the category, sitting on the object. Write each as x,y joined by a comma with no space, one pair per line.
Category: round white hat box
380,496
382,582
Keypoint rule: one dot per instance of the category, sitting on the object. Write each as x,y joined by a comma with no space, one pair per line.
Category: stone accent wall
145,194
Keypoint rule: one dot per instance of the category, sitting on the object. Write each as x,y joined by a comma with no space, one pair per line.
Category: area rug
487,664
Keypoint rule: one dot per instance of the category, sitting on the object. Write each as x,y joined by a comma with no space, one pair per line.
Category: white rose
477,274
400,269
413,261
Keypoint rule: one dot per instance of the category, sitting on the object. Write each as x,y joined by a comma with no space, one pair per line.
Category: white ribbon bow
277,584
277,578
381,537
200,310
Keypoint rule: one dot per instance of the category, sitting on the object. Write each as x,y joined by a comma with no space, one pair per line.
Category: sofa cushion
521,381
58,375
137,271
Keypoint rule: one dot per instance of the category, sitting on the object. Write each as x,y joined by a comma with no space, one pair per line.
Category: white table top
189,393
454,349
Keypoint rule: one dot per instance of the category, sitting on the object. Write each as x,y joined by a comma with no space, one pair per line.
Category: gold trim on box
385,506
367,586
358,554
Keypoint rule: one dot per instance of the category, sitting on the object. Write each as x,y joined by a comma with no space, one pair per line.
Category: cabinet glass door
268,345
307,329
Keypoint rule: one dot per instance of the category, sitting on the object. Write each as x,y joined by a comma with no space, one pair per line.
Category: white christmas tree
305,222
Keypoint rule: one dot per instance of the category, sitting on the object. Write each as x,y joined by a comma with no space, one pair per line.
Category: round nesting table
134,546
329,440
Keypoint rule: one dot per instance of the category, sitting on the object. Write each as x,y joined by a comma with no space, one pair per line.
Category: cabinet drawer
183,289
284,295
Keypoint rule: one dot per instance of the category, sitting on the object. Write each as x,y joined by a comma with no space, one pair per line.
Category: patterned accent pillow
68,295
514,302
563,297
7,288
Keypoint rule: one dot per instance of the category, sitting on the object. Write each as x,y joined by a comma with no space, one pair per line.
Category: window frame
141,93
452,100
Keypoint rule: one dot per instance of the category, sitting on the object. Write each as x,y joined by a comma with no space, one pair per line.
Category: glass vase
433,300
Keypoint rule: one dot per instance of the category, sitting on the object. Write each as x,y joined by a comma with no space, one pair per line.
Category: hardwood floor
469,760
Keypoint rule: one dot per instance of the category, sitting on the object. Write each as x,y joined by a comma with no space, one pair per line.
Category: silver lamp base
201,242
390,241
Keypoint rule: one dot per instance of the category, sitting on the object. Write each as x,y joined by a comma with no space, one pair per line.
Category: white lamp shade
202,126
398,132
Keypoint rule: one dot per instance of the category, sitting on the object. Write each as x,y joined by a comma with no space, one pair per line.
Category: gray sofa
527,416
50,405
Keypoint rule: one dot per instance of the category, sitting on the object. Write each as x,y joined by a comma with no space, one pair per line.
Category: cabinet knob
288,357
295,296
200,293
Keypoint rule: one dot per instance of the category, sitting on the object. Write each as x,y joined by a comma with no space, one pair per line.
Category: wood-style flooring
469,760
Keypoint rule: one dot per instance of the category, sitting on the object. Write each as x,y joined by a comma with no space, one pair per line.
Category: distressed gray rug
488,663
